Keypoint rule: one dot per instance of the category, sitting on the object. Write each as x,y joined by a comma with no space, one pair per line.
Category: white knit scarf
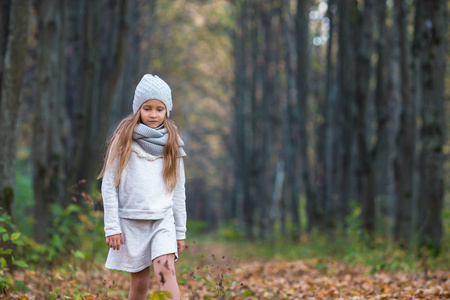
153,140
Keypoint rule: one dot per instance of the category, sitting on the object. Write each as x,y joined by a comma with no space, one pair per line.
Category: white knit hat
152,87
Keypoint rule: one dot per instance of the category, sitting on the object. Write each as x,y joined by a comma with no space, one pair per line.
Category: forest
316,132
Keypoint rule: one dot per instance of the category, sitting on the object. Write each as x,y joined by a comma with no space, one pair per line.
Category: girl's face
153,113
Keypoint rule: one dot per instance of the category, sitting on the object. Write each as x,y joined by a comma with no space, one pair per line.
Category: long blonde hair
119,145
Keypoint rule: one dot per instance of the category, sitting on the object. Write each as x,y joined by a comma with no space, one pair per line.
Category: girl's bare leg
164,267
139,283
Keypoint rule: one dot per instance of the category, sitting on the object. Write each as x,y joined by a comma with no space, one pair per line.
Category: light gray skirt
144,240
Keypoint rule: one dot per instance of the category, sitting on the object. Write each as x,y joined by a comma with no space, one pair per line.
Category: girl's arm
111,200
179,203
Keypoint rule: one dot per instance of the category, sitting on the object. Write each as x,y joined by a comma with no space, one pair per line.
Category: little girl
143,191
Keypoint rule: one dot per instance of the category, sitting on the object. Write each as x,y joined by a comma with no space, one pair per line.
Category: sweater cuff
109,232
181,234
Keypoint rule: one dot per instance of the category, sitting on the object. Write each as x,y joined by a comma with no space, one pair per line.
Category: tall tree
255,78
83,81
102,46
74,100
364,51
241,145
49,115
14,33
266,115
329,121
404,162
290,121
110,71
430,38
345,111
383,102
302,25
130,74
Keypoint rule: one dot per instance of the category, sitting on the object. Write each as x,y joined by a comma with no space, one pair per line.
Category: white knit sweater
142,193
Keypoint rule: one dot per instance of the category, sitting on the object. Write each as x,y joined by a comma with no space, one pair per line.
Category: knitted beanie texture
152,87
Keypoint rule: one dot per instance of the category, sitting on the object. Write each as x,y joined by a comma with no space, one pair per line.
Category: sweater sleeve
179,203
110,197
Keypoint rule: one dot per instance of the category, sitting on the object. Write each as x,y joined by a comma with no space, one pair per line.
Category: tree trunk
266,128
345,110
366,193
103,47
110,72
241,168
13,55
383,106
328,112
253,141
83,66
130,75
432,31
5,11
152,19
404,164
314,211
290,122
48,151
75,100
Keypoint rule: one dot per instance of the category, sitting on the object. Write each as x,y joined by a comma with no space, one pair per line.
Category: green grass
380,254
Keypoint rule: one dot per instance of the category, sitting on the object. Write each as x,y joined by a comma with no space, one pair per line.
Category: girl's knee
164,261
140,279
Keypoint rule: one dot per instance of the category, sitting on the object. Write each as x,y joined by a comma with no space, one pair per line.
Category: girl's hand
180,245
114,241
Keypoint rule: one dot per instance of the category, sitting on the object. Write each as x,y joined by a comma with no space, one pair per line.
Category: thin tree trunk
103,54
404,164
5,11
252,193
314,212
130,75
266,125
14,31
345,114
432,30
366,191
383,105
11,76
151,22
75,100
109,72
241,165
48,153
291,121
82,121
328,112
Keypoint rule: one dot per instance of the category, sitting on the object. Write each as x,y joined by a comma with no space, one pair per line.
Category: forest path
305,279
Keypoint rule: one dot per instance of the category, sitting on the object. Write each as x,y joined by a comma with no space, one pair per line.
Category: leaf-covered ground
222,278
